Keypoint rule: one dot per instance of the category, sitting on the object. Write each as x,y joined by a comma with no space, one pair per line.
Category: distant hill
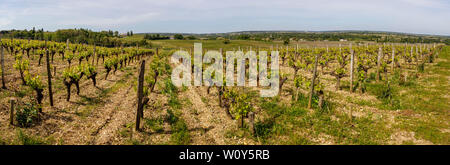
332,35
300,31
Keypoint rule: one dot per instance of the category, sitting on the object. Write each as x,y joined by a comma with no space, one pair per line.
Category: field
407,105
235,44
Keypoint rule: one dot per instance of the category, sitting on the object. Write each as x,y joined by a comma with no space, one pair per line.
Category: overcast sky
210,16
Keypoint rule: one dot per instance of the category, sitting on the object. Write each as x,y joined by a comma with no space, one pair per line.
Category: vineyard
352,93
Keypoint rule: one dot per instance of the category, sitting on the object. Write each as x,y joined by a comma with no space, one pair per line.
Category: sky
217,16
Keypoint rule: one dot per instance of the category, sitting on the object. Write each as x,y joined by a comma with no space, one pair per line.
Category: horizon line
243,31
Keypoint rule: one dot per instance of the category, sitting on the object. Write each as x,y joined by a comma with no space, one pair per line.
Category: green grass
155,124
427,99
126,132
213,44
134,142
387,94
428,127
208,44
360,102
23,91
172,92
180,134
425,96
25,139
298,126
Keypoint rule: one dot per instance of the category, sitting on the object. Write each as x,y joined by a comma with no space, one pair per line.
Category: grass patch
296,125
180,135
127,130
25,139
387,94
23,91
155,124
93,103
172,92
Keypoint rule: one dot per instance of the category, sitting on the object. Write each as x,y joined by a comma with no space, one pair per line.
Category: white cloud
427,3
110,21
5,21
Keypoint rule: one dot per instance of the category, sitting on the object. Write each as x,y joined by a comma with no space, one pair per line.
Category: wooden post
251,116
393,58
312,81
93,55
421,54
241,122
320,104
340,50
404,52
49,78
417,56
411,52
11,114
378,63
3,68
140,95
351,68
287,54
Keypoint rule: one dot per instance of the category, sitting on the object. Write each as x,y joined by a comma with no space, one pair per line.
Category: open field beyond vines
409,104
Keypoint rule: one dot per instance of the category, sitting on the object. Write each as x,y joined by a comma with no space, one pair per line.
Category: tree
191,37
36,84
178,37
339,72
237,103
69,55
109,63
241,107
40,52
155,37
158,67
283,78
294,64
243,37
286,42
365,60
143,43
72,76
22,66
90,72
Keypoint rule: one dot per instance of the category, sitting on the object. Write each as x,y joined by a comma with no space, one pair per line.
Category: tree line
334,36
80,36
